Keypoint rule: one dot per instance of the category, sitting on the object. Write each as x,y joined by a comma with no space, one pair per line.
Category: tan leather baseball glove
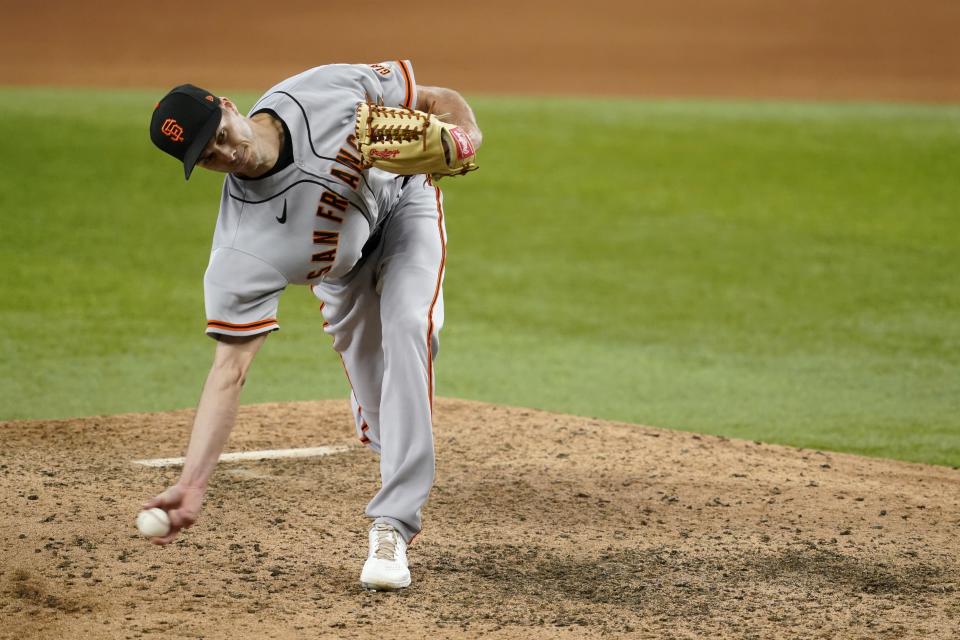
408,142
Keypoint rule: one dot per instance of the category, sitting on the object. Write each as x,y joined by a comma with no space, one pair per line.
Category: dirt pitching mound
540,525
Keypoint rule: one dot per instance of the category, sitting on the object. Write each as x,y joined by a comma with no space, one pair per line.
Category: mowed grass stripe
781,272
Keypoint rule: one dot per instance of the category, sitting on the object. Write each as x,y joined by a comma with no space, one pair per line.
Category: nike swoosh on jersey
283,217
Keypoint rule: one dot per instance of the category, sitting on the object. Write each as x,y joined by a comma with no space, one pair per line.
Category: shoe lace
386,543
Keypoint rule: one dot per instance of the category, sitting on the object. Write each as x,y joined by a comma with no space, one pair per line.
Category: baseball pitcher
331,183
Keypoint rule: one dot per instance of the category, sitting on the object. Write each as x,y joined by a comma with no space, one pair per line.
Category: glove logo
172,130
384,154
465,147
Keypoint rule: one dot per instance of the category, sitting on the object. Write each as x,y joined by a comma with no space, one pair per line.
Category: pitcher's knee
405,328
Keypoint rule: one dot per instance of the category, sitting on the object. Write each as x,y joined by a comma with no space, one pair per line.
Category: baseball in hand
153,523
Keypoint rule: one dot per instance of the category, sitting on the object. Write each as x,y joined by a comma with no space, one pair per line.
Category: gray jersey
309,222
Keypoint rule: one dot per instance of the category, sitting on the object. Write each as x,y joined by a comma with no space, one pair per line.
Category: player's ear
227,104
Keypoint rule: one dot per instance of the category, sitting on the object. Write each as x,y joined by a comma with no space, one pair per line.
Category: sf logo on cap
172,130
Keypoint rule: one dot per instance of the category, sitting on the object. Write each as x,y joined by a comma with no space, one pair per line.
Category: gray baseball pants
385,317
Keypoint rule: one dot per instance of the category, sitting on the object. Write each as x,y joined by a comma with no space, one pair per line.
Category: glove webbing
398,132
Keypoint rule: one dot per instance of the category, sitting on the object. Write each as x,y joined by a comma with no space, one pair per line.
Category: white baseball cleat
386,565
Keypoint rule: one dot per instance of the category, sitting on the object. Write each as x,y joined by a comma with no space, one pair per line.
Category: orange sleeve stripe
220,324
406,77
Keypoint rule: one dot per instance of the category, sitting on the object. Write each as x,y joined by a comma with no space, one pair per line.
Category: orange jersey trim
259,324
406,76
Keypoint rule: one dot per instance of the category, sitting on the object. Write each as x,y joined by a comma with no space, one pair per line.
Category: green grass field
780,272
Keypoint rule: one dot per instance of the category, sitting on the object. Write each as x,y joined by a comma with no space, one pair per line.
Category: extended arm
447,101
215,418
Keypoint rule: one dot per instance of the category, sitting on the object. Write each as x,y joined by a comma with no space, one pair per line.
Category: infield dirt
540,525
824,49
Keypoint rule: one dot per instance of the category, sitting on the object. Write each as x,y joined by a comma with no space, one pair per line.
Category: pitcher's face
233,148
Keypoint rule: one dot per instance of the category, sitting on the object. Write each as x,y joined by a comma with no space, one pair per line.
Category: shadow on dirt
669,583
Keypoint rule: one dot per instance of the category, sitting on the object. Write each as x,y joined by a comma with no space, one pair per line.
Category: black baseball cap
183,122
